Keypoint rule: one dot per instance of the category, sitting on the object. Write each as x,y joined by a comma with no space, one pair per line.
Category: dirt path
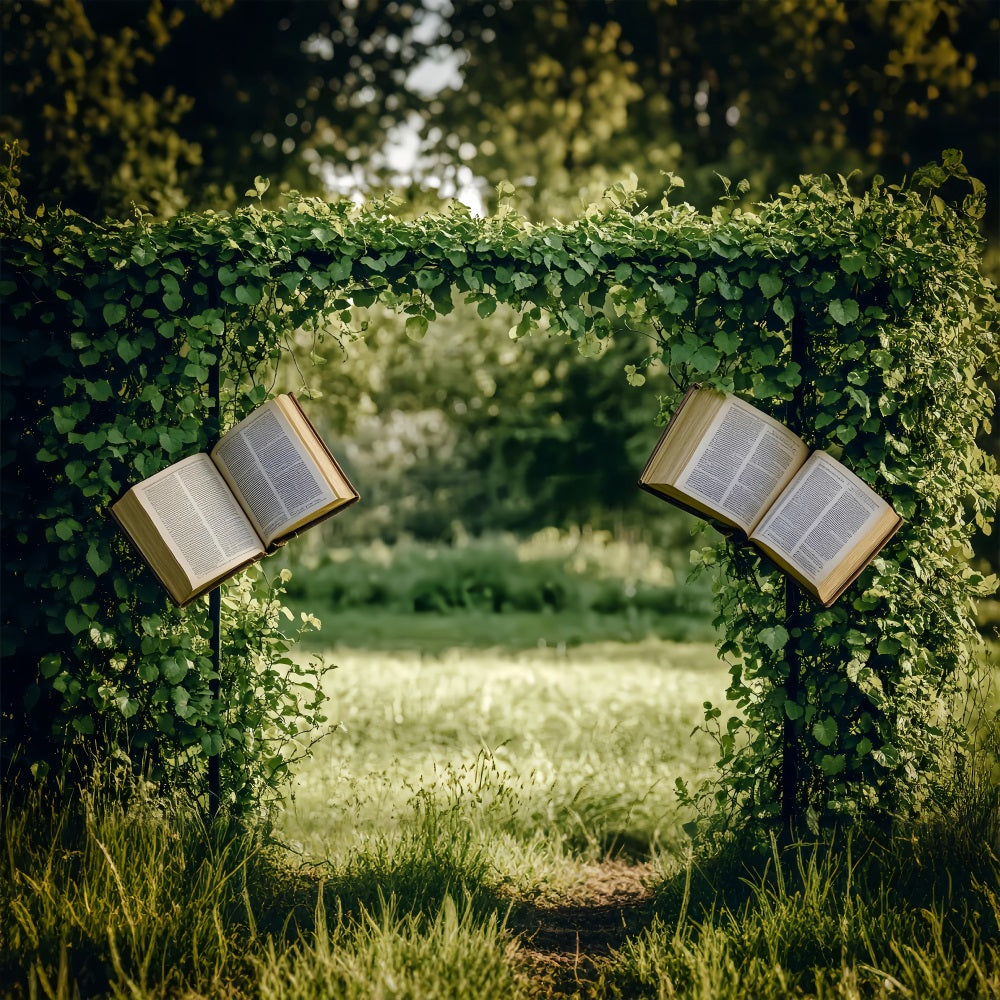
566,942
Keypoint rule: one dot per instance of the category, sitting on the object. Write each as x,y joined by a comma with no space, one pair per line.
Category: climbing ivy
110,331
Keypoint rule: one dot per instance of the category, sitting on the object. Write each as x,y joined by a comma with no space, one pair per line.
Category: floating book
725,460
203,519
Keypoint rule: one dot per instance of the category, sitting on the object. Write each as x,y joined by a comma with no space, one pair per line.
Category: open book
208,516
723,459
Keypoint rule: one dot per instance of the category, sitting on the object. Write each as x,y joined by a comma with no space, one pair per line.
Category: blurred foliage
475,430
172,104
570,94
577,571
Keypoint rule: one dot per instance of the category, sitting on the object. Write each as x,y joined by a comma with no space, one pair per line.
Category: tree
569,93
171,105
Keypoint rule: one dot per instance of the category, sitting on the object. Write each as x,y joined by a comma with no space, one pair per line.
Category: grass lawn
558,755
494,816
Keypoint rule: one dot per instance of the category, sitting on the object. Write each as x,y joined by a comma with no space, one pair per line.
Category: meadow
493,815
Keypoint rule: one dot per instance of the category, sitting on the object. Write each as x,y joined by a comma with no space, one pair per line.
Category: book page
825,512
268,466
198,518
744,462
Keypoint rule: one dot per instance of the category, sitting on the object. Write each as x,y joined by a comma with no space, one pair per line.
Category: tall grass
384,956
914,914
144,896
822,922
148,901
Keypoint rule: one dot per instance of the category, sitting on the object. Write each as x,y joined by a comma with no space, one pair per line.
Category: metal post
790,746
215,619
790,764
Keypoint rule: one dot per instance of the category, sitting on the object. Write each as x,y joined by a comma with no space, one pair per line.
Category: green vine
110,330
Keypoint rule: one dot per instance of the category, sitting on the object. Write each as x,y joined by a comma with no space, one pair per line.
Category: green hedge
110,330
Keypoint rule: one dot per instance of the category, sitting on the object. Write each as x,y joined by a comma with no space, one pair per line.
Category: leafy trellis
111,330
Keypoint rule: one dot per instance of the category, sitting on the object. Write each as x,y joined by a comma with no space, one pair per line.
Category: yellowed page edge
681,436
136,523
318,451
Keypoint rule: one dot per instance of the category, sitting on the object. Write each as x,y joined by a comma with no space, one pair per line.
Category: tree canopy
170,104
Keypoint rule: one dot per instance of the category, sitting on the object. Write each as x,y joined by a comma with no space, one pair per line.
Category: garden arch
862,318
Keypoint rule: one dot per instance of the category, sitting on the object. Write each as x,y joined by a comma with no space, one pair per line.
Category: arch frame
111,332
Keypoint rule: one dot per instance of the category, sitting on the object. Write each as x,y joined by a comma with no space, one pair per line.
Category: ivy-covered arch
110,332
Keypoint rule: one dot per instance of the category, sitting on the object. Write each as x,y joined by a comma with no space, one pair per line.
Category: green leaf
633,376
66,528
100,391
50,665
769,284
793,709
852,262
170,440
706,359
427,279
784,309
832,765
681,351
416,327
94,440
126,705
181,700
227,275
340,270
128,350
774,637
727,341
825,731
173,669
114,313
76,621
250,295
98,562
843,311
